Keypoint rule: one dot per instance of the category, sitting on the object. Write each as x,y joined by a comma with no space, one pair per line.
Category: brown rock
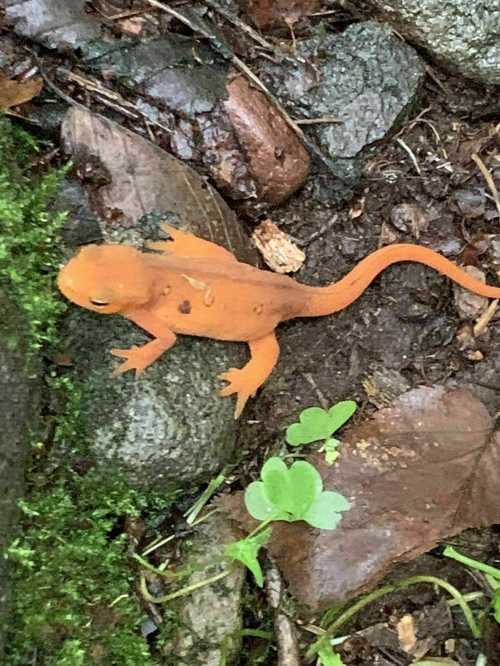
278,161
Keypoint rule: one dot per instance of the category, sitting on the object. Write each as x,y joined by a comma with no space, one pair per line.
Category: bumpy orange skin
194,287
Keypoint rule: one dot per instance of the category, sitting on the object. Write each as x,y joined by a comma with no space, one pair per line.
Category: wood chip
278,250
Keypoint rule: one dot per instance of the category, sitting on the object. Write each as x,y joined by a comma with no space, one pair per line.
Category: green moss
74,599
29,250
74,579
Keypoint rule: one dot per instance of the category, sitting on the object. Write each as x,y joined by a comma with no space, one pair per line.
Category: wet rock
170,428
211,616
471,46
57,24
277,159
19,407
365,77
217,116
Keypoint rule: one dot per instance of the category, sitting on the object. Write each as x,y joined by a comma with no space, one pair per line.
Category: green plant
341,617
29,251
328,657
74,585
246,551
492,575
292,494
316,424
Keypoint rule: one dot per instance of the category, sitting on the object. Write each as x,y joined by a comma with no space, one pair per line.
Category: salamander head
107,278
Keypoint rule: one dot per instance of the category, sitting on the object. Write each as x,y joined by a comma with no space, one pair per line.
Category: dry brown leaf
279,251
15,93
143,178
418,472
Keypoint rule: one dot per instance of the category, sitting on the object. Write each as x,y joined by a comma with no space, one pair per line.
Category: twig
485,318
238,23
407,148
488,178
317,121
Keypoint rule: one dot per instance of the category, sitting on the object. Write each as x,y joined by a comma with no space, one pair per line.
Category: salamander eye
98,302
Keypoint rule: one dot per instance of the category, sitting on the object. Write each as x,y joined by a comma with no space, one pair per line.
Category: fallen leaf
420,471
279,251
144,179
15,93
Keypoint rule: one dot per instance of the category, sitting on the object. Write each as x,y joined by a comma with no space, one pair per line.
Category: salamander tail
337,296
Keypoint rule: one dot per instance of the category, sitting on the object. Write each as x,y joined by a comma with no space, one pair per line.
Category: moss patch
74,582
74,599
29,251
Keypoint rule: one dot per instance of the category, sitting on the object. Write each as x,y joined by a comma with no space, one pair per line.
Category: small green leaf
257,503
305,485
341,413
316,423
274,475
292,494
247,550
325,512
328,657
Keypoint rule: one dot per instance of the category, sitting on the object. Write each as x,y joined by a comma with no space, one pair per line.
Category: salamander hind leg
185,244
245,381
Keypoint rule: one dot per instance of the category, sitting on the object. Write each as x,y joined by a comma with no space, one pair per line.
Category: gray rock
167,429
210,616
53,23
460,34
365,77
191,80
20,391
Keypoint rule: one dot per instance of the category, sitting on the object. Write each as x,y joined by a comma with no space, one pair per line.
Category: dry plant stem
286,635
387,589
485,318
488,178
183,592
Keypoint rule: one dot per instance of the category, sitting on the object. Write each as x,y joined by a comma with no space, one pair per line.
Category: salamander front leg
246,380
138,358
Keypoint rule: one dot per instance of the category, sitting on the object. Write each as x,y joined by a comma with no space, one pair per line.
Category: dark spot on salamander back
184,307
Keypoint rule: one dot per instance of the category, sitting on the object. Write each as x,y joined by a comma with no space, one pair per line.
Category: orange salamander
194,287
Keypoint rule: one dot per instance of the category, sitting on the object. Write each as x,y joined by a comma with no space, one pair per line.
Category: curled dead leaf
15,93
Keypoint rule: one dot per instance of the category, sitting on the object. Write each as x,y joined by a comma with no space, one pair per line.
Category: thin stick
485,318
238,23
407,148
488,178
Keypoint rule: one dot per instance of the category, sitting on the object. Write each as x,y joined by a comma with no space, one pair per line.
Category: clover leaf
247,550
316,423
328,657
292,494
